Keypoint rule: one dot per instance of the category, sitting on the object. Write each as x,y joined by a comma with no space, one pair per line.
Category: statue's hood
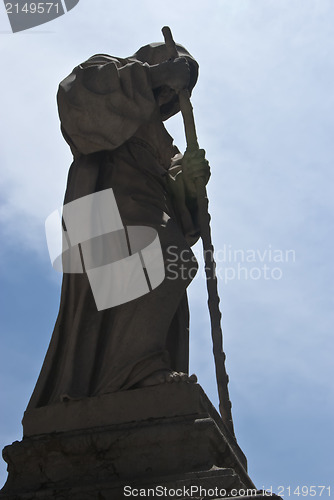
156,53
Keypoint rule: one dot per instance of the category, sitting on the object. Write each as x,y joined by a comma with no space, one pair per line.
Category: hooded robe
111,119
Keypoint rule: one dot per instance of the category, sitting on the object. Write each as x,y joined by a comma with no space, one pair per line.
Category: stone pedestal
100,448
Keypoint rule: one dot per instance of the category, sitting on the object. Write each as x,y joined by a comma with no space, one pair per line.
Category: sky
264,111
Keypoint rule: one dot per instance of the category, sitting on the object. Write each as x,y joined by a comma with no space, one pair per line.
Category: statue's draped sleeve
103,102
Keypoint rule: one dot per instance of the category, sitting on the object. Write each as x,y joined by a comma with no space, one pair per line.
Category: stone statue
85,429
112,112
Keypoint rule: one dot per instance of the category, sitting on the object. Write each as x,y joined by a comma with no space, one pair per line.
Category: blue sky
264,113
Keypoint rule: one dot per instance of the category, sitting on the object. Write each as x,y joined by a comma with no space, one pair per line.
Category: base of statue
166,438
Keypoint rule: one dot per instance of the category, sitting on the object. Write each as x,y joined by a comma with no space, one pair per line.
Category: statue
112,112
85,429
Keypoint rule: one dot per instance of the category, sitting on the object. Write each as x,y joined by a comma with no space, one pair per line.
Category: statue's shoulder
101,59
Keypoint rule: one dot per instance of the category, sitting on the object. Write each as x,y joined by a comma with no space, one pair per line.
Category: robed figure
112,112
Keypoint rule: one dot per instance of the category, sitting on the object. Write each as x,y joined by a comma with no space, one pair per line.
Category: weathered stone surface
163,401
220,480
185,442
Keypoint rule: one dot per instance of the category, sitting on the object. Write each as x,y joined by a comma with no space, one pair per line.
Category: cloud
264,113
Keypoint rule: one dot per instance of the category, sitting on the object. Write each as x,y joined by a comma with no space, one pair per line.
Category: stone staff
208,250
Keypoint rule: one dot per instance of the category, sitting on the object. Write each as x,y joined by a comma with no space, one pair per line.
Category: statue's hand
195,166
